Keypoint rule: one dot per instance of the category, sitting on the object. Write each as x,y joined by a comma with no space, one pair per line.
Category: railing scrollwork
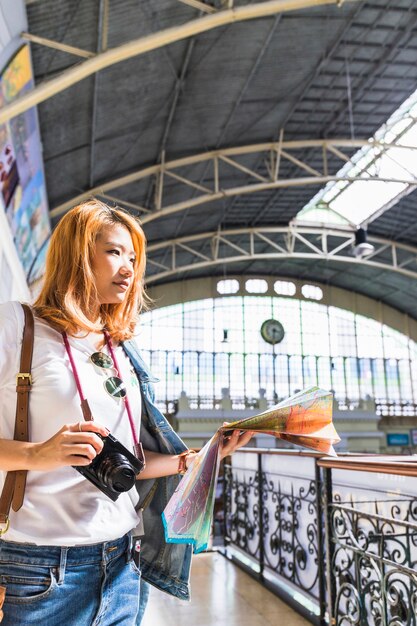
276,505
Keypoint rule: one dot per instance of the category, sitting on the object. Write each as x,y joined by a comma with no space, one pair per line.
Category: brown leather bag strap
15,483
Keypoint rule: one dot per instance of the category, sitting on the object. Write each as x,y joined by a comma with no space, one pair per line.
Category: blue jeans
143,601
94,585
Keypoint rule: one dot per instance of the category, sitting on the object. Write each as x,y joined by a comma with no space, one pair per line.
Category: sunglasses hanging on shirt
114,385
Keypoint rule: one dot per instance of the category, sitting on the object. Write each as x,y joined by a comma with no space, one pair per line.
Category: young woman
66,556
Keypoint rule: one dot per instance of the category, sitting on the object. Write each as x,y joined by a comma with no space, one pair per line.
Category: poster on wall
22,182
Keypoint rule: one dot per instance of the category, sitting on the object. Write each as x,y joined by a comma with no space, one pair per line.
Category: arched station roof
216,119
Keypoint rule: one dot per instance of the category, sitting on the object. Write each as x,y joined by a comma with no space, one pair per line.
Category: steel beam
152,42
57,45
102,37
179,83
205,250
222,188
201,6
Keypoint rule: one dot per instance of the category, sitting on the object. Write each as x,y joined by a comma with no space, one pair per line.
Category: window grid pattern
207,346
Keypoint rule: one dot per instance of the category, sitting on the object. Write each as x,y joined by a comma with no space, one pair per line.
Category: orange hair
69,286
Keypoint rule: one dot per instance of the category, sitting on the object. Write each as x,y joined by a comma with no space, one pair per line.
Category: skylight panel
362,198
359,201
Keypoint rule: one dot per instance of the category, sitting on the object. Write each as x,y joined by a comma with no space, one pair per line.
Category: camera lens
116,472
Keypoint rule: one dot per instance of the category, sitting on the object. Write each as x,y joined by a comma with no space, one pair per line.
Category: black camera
114,470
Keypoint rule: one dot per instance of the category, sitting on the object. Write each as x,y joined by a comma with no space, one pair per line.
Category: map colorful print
304,419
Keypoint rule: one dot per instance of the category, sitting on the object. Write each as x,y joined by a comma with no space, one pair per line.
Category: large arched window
204,346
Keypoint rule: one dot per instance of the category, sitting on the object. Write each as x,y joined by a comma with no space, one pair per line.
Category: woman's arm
158,465
14,455
72,445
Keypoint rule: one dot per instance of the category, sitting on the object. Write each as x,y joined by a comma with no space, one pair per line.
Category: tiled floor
222,595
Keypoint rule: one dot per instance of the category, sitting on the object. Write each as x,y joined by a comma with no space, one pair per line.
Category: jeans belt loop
62,565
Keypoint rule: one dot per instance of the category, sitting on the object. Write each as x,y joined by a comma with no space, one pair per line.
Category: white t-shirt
61,507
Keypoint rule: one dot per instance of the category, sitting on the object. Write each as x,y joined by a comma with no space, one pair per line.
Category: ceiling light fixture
362,248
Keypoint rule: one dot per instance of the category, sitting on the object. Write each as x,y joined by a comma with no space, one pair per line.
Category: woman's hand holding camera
74,444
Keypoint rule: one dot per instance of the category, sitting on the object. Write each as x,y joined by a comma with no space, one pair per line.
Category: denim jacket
164,565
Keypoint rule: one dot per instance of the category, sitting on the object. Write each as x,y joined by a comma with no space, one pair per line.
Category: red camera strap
84,402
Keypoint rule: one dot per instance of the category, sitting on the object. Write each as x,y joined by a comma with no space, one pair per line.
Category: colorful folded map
304,419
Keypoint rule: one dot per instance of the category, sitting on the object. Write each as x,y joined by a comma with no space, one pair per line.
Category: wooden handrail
377,463
404,466
294,452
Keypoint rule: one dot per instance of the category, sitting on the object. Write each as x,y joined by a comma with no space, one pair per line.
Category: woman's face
113,264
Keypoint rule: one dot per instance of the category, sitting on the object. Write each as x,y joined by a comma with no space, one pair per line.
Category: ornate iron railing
371,534
337,539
